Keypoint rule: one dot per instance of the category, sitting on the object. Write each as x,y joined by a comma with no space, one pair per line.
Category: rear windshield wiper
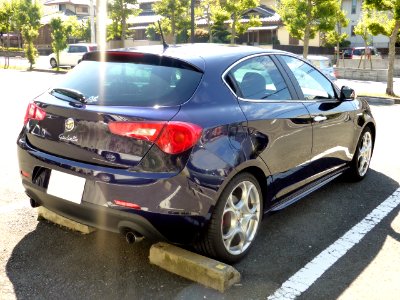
71,93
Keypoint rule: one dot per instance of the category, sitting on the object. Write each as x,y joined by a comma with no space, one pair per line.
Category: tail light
34,112
171,137
127,204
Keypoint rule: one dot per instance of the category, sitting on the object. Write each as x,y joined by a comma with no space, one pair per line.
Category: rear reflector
24,173
171,137
34,112
127,204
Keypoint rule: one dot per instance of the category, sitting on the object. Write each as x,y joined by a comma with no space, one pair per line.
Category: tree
28,20
362,29
389,28
7,12
219,31
79,29
59,33
176,15
335,36
305,18
119,11
207,9
236,8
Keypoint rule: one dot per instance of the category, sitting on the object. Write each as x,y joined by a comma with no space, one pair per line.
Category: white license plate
66,186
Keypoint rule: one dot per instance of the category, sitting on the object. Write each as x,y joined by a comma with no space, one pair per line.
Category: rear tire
53,63
235,220
360,164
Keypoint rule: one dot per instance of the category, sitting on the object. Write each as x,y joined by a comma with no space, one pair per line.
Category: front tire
362,158
235,220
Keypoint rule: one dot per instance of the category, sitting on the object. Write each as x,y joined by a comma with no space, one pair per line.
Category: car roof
82,44
201,54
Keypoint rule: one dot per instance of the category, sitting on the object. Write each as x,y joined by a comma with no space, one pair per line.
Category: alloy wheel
240,217
364,153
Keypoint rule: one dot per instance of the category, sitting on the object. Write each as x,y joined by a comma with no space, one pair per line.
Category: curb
44,213
206,271
49,71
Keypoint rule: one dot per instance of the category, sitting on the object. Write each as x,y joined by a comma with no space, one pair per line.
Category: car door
269,103
332,119
72,53
64,57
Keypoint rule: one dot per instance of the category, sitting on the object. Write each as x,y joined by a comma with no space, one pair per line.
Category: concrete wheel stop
206,271
44,213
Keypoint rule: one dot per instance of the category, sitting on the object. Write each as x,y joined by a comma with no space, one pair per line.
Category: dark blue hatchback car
192,144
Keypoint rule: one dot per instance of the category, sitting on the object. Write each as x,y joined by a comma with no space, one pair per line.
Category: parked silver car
324,64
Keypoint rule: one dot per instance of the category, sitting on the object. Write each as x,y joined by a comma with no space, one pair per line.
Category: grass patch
20,68
378,95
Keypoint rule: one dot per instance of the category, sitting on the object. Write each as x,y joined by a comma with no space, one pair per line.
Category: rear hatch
110,113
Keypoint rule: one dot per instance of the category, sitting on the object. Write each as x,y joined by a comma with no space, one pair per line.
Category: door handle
319,118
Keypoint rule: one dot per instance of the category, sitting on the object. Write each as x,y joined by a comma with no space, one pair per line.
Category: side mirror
347,93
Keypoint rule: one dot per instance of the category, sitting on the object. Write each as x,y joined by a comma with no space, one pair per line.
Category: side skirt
306,190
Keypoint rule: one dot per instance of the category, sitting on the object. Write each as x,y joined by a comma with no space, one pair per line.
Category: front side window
258,78
73,49
312,83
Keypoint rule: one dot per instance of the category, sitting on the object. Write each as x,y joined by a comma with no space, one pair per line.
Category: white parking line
305,277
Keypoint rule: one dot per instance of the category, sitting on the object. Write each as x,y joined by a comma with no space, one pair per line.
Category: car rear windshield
132,84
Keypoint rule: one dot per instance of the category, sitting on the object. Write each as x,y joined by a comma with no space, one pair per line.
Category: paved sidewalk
42,62
361,87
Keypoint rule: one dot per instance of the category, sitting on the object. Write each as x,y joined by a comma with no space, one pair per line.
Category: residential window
353,6
293,41
352,30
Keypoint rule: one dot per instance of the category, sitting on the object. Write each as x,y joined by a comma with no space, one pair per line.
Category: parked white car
72,55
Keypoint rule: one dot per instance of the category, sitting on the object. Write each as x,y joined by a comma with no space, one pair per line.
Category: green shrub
12,49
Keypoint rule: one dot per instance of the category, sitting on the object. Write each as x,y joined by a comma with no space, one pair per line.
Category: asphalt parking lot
39,260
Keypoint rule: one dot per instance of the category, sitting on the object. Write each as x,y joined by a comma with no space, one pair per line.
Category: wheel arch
260,171
371,126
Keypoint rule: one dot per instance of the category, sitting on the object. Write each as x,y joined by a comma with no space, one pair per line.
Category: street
40,260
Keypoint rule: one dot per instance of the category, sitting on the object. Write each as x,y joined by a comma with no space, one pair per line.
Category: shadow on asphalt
52,262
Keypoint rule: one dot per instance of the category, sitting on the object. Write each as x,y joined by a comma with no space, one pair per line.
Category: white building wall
379,41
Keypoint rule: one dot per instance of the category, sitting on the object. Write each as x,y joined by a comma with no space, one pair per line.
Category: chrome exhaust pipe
132,237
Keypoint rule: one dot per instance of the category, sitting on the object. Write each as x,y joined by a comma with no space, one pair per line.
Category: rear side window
132,84
81,49
258,78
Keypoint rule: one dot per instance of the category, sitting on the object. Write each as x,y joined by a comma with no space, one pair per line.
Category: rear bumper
169,209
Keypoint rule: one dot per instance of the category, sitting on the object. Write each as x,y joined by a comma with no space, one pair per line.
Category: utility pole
192,2
101,24
92,29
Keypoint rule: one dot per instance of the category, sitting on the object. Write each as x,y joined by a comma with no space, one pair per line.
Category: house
353,9
271,31
146,17
62,9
